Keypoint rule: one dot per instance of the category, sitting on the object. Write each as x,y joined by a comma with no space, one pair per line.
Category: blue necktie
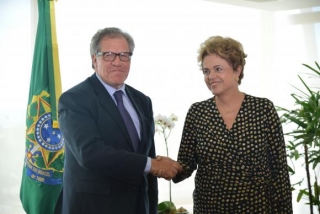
127,120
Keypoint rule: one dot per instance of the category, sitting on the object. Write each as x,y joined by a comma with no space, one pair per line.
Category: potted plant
164,125
304,140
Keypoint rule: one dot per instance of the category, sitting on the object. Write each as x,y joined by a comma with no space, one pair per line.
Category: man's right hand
165,167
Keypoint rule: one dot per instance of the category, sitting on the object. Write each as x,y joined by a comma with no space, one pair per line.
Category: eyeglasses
110,56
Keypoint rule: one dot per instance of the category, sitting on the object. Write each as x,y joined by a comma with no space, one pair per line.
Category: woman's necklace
223,110
229,111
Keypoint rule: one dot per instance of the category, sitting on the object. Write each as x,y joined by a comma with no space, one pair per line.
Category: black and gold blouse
241,170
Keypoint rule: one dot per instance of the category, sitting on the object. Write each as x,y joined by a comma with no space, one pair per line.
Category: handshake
164,167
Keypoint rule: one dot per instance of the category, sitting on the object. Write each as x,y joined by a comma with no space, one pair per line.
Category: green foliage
306,117
166,207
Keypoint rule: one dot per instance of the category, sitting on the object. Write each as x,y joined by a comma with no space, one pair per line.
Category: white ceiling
272,5
307,14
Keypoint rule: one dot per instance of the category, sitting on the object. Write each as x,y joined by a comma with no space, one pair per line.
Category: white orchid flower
158,119
165,122
170,125
173,117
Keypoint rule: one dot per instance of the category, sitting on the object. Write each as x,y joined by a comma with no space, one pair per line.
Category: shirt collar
111,89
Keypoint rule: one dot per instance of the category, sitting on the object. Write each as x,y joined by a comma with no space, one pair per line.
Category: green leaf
316,190
308,66
291,170
166,207
301,193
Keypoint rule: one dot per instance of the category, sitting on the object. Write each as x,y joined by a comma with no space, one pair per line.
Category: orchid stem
165,140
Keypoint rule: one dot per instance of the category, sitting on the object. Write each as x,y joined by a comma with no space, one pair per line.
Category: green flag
44,152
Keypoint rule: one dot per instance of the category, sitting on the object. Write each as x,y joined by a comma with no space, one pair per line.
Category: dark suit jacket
102,173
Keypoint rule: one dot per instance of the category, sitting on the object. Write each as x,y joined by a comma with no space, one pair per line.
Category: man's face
114,72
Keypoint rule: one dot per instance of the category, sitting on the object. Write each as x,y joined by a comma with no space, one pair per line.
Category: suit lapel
108,104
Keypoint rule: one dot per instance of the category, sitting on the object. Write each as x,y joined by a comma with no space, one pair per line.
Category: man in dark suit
106,171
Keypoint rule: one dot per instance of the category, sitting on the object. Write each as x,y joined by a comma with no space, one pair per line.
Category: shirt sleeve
148,166
280,185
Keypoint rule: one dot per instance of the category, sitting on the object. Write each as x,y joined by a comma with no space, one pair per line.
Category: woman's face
219,76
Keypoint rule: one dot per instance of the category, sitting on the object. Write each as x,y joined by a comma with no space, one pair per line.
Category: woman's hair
111,32
227,49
